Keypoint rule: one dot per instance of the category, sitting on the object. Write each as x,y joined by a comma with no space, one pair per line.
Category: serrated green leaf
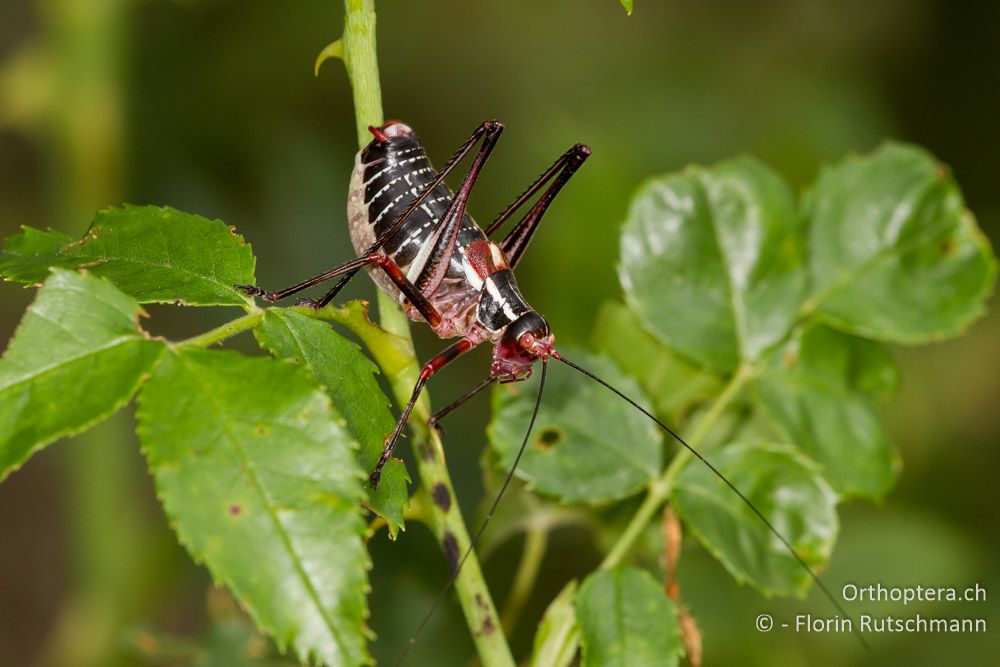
263,485
786,487
626,620
822,388
154,254
894,253
673,384
26,257
712,261
557,637
76,357
588,445
349,379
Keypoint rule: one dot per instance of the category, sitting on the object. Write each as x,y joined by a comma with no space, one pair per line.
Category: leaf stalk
227,330
661,487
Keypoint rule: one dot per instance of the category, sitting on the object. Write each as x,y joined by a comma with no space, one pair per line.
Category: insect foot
253,290
309,303
433,423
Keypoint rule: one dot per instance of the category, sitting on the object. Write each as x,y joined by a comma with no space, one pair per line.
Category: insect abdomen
387,177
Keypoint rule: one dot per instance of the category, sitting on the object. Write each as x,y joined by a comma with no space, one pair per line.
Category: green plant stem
446,523
660,488
81,53
536,541
227,330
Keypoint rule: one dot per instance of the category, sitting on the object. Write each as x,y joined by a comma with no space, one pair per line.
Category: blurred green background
211,106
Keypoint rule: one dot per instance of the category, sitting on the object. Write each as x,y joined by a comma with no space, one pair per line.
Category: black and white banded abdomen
387,178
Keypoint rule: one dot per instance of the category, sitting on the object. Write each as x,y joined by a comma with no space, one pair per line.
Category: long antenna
760,515
482,527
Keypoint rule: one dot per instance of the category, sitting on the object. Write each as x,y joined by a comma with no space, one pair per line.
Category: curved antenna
760,515
482,527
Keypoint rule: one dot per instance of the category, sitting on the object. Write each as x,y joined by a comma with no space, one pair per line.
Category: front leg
430,368
253,290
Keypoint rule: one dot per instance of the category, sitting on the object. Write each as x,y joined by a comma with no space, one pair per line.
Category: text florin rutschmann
890,623
917,623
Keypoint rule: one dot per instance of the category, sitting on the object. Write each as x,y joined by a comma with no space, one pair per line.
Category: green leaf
26,257
349,379
557,637
154,254
627,620
673,384
822,388
786,487
588,445
262,485
627,5
712,261
895,254
76,358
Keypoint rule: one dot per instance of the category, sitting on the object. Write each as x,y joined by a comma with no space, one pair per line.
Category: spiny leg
483,129
446,233
450,353
409,290
515,243
436,418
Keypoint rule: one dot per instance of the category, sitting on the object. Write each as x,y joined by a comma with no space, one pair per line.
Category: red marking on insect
390,129
377,133
485,258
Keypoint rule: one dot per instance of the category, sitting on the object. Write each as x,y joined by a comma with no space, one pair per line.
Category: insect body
423,248
470,284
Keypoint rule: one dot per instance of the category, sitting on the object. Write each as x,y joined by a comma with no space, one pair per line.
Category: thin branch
444,519
660,488
227,330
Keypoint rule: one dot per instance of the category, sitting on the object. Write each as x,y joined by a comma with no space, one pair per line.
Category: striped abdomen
387,178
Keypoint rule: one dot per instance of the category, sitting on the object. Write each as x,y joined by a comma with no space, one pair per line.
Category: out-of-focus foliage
220,113
557,637
584,449
625,618
727,247
894,252
824,389
787,488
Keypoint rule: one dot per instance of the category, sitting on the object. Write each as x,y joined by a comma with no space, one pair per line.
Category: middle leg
435,419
